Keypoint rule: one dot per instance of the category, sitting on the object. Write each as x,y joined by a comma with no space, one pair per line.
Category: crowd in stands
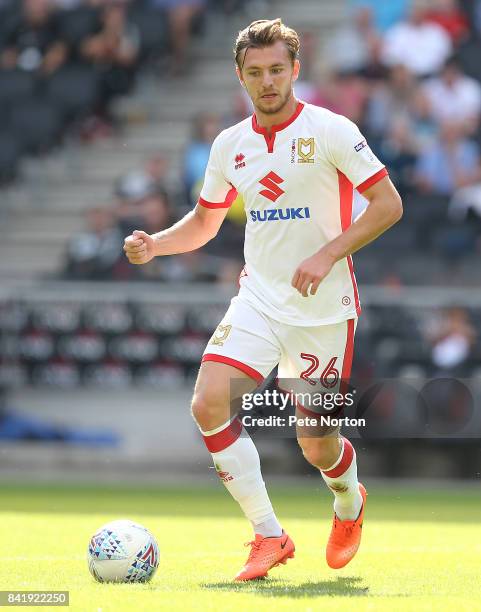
63,61
408,73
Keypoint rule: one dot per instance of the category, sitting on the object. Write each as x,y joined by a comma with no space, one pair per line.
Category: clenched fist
139,247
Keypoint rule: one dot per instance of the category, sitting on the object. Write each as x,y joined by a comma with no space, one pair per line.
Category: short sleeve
351,154
216,191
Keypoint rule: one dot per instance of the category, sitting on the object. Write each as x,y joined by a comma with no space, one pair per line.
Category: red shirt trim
229,198
372,180
275,128
346,195
348,356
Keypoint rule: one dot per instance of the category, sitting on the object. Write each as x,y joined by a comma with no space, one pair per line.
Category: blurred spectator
67,4
420,45
448,14
385,14
240,107
345,94
93,253
472,10
399,150
396,96
452,162
309,53
181,15
205,128
32,40
465,206
155,214
468,54
129,212
227,248
135,184
453,96
114,48
353,45
452,337
476,21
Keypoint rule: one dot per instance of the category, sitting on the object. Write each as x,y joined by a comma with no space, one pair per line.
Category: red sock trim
342,466
221,440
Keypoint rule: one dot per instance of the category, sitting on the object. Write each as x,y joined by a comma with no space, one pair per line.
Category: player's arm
383,211
198,226
350,155
194,230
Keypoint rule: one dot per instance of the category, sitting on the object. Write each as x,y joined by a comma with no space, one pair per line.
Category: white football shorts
252,342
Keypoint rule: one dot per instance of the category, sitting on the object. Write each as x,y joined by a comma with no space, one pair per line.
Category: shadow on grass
348,586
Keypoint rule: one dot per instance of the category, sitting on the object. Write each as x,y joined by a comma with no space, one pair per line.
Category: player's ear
296,69
239,76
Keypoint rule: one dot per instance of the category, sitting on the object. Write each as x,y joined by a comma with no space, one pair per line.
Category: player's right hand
139,247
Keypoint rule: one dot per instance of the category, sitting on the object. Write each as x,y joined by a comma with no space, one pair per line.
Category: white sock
238,466
341,478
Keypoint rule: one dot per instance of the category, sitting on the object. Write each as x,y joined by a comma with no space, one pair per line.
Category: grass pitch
421,549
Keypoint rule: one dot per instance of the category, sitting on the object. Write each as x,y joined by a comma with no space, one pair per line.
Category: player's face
268,75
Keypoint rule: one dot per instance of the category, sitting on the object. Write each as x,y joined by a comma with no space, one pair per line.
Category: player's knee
317,451
208,411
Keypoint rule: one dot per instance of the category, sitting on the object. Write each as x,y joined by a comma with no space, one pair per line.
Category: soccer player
296,166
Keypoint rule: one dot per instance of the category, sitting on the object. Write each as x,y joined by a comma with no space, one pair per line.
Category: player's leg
334,456
234,454
242,348
324,355
341,478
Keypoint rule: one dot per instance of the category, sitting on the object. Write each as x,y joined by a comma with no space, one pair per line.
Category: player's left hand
312,271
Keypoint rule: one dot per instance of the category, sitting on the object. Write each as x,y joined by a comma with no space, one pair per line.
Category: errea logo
239,161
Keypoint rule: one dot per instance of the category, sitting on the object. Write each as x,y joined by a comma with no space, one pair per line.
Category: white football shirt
297,187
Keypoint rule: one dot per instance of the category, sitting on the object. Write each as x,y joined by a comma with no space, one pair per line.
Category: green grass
421,549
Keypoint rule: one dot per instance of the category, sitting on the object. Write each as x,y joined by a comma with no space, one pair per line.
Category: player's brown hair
263,33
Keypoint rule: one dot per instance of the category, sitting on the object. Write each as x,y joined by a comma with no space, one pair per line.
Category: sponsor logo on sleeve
363,148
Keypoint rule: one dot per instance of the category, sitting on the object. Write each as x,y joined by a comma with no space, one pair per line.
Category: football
122,551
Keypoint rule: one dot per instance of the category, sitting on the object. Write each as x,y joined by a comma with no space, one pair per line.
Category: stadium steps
311,14
30,261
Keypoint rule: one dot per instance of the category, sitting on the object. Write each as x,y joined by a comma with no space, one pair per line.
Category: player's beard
273,109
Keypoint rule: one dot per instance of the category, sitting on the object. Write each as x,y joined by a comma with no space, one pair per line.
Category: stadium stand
103,156
68,211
